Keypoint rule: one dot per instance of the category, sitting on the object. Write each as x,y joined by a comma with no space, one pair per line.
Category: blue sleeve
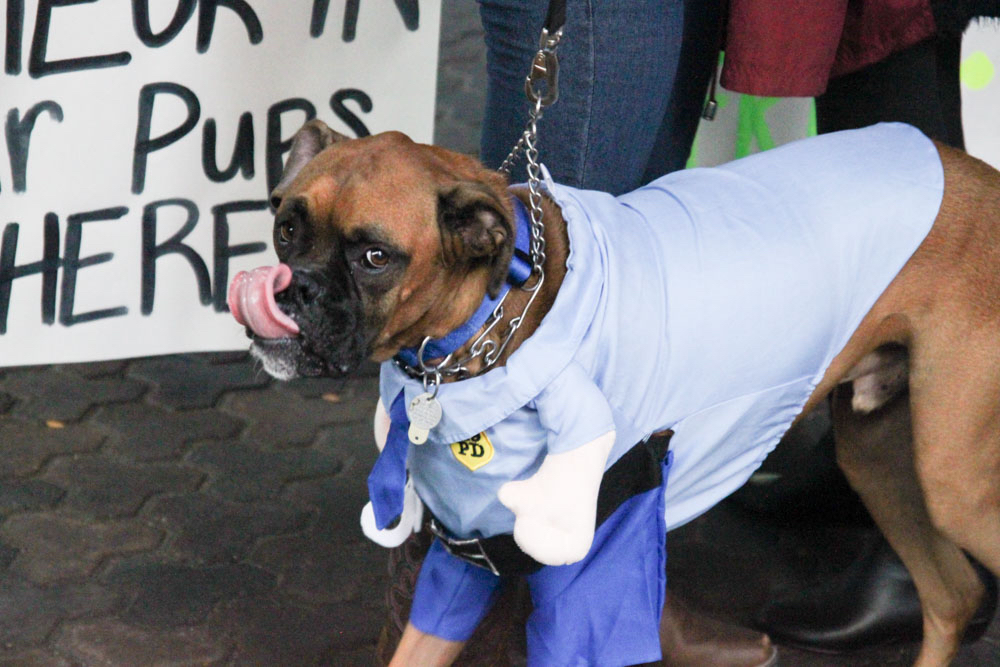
573,410
452,596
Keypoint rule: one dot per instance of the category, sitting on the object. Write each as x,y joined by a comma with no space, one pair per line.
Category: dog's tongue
251,301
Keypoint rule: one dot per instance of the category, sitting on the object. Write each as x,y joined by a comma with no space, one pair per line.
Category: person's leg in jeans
632,81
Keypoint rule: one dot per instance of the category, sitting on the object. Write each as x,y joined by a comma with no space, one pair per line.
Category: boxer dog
385,242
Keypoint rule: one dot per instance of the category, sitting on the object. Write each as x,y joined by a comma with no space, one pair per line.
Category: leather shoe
873,602
690,639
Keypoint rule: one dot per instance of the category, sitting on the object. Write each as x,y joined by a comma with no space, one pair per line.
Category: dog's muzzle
302,323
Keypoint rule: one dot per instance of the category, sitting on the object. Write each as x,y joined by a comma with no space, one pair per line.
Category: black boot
872,603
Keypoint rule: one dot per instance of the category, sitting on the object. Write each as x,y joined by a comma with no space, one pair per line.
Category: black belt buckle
470,550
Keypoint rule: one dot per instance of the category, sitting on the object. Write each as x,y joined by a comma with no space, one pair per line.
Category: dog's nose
306,286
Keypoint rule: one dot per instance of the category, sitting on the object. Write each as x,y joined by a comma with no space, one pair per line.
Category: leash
541,87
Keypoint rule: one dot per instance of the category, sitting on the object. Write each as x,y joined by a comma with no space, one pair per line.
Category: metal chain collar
542,89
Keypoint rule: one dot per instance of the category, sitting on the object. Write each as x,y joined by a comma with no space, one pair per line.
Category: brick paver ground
186,510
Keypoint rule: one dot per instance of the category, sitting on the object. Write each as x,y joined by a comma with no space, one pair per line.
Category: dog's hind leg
876,454
957,444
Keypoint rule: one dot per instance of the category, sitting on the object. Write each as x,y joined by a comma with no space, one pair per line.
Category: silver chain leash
542,89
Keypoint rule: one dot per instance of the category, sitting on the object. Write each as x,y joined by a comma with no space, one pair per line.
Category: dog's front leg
419,648
555,508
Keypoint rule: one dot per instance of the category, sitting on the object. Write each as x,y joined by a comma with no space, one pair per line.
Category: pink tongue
251,301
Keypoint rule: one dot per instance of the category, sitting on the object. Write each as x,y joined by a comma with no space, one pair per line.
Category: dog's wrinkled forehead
385,181
427,206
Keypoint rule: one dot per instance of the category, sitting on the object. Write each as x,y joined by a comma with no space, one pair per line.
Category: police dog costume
719,304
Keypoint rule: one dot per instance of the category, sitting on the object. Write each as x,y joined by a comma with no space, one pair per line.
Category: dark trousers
918,85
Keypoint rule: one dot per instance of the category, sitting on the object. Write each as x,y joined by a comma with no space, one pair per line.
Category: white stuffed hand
409,521
555,508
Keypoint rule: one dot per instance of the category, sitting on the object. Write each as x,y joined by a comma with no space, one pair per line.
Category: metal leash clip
544,70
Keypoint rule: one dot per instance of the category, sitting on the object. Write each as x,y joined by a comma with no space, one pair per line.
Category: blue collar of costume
517,274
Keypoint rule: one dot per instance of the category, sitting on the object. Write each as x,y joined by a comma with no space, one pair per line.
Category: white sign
142,138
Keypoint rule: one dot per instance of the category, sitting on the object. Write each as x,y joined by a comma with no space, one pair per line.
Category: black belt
637,471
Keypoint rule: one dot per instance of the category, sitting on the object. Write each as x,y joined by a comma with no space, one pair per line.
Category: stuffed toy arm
556,508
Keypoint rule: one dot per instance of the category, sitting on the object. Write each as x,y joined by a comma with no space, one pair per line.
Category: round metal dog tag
417,435
424,413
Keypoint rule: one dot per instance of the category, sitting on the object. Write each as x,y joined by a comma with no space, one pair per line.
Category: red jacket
790,48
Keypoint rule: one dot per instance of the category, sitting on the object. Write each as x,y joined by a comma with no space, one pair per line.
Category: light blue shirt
709,302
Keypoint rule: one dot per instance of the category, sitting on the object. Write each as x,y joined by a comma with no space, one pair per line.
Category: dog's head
388,241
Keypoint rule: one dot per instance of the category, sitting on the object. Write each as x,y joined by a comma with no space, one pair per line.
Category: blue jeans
633,77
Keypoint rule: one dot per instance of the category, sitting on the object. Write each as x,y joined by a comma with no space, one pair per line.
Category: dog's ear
311,138
476,226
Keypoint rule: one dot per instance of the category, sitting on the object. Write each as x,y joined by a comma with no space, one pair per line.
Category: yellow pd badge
475,452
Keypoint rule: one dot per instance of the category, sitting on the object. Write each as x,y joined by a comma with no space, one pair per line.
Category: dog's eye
286,232
375,259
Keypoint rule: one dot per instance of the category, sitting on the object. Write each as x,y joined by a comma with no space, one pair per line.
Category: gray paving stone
26,495
340,657
170,595
230,357
320,567
317,387
244,473
354,439
338,503
102,488
142,432
28,613
268,632
27,445
361,383
7,555
194,382
207,530
33,658
112,643
278,417
54,548
53,393
114,368
357,393
337,500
